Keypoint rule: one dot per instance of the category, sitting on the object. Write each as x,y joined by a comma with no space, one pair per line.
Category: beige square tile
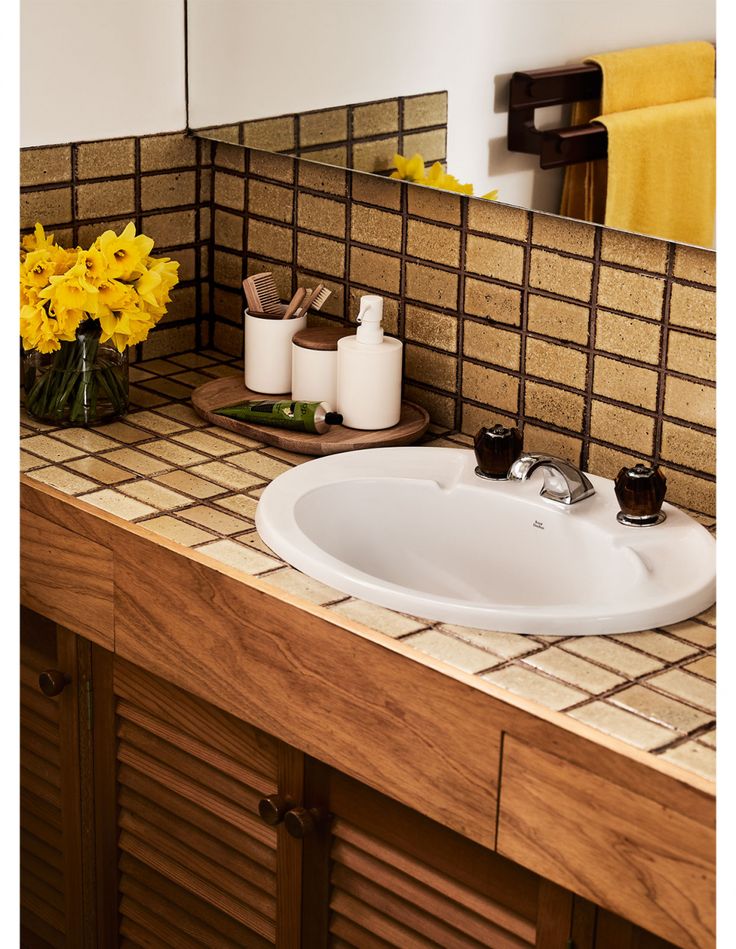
633,250
375,118
631,292
531,685
624,725
239,504
441,245
424,110
708,616
708,738
50,448
271,135
375,227
563,275
434,204
378,618
505,645
204,442
155,423
177,530
228,476
376,271
498,389
606,652
659,708
321,254
155,494
192,360
45,165
270,201
243,440
574,670
693,307
453,651
261,465
627,337
216,521
692,263
190,484
428,285
688,447
135,461
269,240
300,585
169,387
322,214
657,644
290,457
424,365
252,539
494,302
382,192
556,363
625,383
558,319
688,687
84,439
375,156
99,470
492,344
433,329
554,443
178,455
239,556
689,491
553,405
691,401
632,430
489,217
276,167
184,414
563,234
28,462
706,667
116,503
63,480
496,259
441,408
692,355
431,145
692,756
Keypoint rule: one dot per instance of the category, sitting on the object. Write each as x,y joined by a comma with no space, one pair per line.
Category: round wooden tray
213,395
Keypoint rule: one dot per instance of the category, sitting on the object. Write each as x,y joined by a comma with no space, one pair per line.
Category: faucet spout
563,482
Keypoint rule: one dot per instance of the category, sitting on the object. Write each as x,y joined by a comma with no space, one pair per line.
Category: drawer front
621,849
67,578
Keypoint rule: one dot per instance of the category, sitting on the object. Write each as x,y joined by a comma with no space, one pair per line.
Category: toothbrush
294,304
317,299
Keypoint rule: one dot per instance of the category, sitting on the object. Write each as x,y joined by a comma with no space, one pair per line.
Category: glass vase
84,383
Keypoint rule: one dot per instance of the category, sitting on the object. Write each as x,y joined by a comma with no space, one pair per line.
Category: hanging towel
612,192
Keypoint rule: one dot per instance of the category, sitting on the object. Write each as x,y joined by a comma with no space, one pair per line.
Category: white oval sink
416,530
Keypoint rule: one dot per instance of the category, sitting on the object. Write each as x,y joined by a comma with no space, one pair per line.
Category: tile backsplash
600,344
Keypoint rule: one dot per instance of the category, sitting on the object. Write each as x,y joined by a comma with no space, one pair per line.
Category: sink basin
414,529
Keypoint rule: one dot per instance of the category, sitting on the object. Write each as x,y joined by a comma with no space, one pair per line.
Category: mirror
352,82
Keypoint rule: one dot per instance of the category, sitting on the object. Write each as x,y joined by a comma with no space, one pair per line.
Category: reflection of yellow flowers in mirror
115,282
413,169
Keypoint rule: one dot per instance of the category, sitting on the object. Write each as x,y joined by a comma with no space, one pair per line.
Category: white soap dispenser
369,372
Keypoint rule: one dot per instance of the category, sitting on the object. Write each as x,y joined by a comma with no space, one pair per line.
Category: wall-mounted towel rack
537,88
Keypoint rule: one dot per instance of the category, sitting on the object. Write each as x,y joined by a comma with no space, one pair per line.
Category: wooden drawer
67,578
617,847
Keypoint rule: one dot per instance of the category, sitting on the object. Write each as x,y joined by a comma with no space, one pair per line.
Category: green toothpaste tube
315,417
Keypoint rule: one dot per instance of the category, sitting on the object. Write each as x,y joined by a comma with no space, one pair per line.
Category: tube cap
333,418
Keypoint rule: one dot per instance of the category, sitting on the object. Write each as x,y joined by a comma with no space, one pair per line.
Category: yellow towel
679,158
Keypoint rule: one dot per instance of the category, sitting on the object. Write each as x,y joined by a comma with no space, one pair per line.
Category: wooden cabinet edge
623,850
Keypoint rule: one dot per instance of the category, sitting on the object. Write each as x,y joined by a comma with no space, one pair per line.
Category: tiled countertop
167,470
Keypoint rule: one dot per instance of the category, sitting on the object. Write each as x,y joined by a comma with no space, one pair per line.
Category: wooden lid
321,337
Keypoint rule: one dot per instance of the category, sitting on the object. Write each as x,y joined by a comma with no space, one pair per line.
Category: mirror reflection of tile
601,344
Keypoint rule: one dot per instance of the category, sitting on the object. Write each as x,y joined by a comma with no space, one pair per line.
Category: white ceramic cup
268,353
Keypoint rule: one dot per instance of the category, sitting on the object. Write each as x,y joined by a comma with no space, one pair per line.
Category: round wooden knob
300,822
272,810
52,682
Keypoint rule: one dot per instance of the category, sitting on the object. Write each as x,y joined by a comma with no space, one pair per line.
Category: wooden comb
262,295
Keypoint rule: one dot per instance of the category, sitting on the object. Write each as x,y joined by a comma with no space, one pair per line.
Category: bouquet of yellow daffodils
72,300
413,169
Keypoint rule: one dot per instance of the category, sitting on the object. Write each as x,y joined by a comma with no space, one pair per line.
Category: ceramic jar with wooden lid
314,364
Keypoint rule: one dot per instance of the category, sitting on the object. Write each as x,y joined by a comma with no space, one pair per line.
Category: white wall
95,69
251,59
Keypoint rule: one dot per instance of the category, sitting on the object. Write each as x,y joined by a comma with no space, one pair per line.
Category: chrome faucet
500,458
563,482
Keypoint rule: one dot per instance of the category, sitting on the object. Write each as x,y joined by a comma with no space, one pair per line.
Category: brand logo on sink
539,525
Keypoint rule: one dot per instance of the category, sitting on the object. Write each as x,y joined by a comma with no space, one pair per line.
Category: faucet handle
496,449
640,492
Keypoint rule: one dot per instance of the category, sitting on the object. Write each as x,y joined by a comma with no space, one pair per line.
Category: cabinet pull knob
53,681
300,821
272,810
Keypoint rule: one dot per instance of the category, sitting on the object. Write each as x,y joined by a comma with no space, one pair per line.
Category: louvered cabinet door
197,865
395,878
50,833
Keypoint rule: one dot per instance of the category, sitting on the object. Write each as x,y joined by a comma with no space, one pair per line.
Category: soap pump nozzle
370,317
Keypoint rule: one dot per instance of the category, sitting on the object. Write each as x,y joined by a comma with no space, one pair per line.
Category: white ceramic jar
268,353
314,364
